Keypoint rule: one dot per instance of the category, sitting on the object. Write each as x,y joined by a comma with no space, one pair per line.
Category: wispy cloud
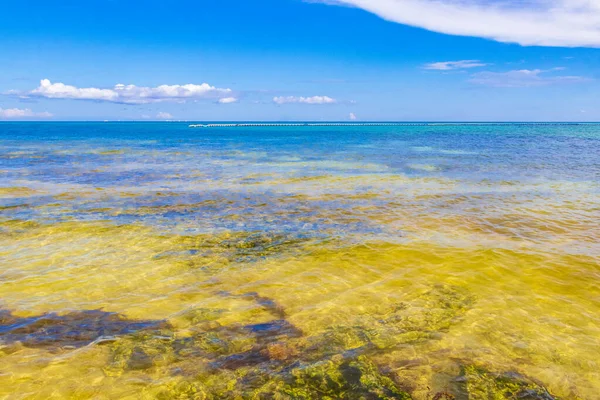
228,100
352,117
25,113
164,115
304,100
568,23
524,78
452,65
128,94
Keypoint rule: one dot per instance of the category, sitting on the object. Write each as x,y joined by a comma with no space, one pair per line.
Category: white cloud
17,113
567,23
352,117
304,100
524,78
450,65
228,100
164,115
128,94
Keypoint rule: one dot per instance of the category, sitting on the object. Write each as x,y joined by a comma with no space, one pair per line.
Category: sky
298,60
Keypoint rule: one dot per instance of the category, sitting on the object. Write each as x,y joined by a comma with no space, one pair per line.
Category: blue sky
300,60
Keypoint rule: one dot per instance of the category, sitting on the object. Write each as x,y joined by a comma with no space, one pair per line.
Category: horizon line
256,122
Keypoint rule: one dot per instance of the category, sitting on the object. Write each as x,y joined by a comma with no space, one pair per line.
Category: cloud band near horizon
130,94
304,100
26,113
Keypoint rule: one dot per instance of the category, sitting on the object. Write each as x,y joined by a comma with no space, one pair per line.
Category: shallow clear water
151,260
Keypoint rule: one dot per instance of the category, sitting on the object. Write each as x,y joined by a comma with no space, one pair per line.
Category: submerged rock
273,330
71,330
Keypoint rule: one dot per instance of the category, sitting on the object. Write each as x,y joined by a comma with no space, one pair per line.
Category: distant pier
358,124
294,124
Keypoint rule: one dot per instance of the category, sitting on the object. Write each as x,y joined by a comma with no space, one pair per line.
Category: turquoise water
235,162
427,260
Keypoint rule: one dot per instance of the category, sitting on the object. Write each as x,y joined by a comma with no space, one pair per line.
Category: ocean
426,261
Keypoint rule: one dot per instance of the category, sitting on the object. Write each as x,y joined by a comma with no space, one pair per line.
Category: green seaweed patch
260,244
275,360
140,352
159,349
479,384
424,318
14,207
229,347
223,342
194,251
209,344
222,385
201,315
13,227
338,339
336,378
183,390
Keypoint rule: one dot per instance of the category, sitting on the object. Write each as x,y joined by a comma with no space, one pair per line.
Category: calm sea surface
155,261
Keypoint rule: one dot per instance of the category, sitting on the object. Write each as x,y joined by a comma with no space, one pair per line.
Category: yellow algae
89,194
340,298
182,208
330,164
16,206
98,265
305,179
457,305
350,286
323,185
219,273
111,152
15,226
424,167
18,191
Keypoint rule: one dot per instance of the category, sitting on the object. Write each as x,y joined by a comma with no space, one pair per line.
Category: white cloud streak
564,23
164,115
18,113
524,78
228,100
304,100
128,94
452,65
